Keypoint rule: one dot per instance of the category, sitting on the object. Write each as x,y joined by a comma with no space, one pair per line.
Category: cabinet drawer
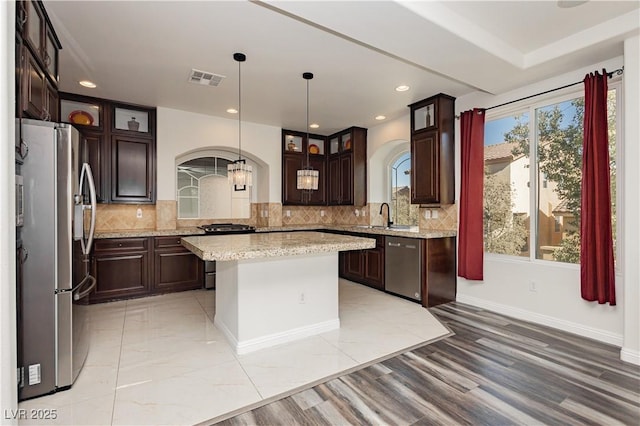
173,241
122,244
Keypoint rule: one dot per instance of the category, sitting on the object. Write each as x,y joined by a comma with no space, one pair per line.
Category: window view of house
402,211
556,173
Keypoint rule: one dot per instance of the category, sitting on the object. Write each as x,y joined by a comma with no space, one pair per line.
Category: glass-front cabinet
296,147
134,120
81,112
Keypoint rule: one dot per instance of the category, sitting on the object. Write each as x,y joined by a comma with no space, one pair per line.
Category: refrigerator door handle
85,293
86,173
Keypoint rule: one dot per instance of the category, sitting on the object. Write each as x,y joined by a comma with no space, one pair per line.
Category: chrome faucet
389,222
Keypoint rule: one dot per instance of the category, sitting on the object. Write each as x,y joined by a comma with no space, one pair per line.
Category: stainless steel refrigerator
57,235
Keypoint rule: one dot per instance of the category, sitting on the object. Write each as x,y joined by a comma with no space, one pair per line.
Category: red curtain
597,273
470,238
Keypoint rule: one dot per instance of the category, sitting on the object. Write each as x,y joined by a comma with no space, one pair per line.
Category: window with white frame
402,211
533,174
203,191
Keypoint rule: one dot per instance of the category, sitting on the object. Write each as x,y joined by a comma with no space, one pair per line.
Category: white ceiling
142,52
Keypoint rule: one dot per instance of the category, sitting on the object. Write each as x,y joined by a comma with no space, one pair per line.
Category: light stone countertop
413,232
137,233
263,245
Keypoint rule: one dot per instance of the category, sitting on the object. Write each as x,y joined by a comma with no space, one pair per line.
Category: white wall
181,131
631,190
8,362
557,301
382,142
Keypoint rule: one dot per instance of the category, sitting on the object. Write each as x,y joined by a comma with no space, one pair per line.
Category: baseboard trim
564,325
246,346
629,355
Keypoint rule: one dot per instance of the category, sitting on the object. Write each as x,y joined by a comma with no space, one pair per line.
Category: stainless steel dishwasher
403,262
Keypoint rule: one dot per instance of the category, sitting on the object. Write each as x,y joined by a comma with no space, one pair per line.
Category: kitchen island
273,288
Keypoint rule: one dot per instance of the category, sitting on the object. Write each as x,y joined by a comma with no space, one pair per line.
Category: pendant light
239,172
307,177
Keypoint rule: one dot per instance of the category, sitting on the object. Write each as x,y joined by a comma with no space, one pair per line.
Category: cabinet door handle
47,59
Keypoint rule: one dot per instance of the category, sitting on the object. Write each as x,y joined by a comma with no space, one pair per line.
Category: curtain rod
611,74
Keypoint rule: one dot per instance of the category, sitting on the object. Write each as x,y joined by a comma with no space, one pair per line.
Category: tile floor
160,360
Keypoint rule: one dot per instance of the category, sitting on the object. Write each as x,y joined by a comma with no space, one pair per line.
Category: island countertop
262,245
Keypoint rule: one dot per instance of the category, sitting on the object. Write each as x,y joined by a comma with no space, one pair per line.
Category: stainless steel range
220,229
227,228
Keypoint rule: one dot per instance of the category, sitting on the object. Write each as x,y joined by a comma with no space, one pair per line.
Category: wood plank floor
495,371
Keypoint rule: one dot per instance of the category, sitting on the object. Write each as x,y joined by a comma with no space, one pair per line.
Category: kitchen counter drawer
167,242
127,244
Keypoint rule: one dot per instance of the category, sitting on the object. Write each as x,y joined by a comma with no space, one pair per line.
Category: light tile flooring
160,360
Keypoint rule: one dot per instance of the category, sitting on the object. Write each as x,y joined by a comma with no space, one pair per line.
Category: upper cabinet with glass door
294,142
82,111
33,24
127,118
345,141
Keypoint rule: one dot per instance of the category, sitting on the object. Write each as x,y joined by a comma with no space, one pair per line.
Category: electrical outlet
363,212
357,212
321,213
532,286
427,214
434,214
139,213
287,213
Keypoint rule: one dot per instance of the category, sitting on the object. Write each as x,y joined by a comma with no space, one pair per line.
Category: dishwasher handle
390,244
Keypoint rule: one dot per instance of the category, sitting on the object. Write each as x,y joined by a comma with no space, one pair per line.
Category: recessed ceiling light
402,88
232,111
380,117
314,125
567,4
87,83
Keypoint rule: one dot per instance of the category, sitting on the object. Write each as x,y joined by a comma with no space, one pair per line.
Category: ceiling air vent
205,78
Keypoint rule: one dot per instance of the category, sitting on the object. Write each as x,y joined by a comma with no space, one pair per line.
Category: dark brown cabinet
432,151
92,146
175,267
425,182
118,142
295,148
36,63
33,87
134,267
121,268
132,173
364,266
347,167
439,283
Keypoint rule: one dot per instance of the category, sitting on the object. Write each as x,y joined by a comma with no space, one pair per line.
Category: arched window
402,211
203,191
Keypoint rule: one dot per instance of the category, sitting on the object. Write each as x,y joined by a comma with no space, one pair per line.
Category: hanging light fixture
307,176
239,172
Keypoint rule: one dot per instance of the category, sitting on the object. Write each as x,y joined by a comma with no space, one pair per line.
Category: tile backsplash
163,216
111,217
447,217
